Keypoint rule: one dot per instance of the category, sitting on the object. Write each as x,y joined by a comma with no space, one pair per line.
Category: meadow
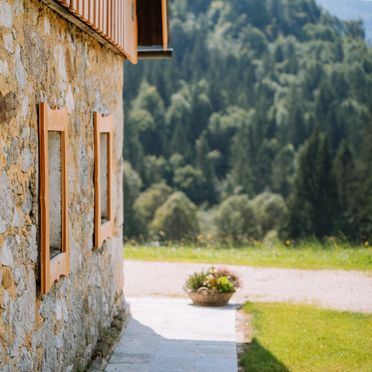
305,255
288,337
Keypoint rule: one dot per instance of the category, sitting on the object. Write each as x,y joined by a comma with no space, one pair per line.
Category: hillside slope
261,96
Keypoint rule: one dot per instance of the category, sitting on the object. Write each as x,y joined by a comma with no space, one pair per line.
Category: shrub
176,219
192,182
150,200
271,212
220,280
155,170
235,219
271,239
134,225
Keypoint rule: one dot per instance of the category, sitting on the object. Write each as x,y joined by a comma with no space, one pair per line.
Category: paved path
170,335
337,289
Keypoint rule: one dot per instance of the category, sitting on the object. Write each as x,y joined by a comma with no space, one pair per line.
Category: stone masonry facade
45,58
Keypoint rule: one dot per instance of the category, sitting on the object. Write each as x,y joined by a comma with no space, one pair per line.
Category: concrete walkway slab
172,335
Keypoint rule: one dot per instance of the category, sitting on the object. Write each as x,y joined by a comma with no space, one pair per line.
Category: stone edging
108,342
244,333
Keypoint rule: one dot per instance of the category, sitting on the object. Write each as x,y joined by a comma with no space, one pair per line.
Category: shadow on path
142,349
172,335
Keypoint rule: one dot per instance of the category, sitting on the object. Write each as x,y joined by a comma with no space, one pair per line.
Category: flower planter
206,297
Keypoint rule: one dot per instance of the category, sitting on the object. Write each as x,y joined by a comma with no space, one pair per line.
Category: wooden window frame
102,125
164,16
59,266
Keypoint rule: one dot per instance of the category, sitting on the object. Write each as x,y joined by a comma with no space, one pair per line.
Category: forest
259,127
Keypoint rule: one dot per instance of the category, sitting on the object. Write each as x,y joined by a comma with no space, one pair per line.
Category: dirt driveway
336,289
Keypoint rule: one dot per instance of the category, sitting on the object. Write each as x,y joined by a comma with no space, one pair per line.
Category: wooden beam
155,53
164,13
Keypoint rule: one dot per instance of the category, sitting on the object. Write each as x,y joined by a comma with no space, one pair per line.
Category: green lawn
290,337
304,256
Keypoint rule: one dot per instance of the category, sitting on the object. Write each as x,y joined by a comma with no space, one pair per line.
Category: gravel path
336,289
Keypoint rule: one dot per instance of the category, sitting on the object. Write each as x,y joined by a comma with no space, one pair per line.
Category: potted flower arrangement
213,287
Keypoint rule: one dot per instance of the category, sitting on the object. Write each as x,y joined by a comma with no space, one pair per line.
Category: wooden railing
114,20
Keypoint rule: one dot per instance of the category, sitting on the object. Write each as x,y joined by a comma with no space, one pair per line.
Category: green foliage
224,285
314,203
134,225
176,219
361,204
235,219
271,211
150,200
345,173
283,171
196,281
155,170
236,111
220,280
192,182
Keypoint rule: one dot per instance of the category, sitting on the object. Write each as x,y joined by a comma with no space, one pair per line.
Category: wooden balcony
124,25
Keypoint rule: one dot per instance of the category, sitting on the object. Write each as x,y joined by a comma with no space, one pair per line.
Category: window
53,148
103,224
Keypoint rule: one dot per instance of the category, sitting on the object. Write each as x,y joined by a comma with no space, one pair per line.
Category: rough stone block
8,107
6,16
7,280
6,256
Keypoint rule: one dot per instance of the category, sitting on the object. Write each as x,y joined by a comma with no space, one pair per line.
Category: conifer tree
361,204
283,171
134,223
249,82
242,155
204,162
314,204
345,173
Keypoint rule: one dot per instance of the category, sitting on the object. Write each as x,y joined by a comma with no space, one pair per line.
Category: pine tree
283,171
204,162
134,223
361,204
133,149
249,82
326,200
314,204
345,173
297,130
242,156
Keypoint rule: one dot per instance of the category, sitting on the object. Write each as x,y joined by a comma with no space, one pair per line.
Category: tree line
260,124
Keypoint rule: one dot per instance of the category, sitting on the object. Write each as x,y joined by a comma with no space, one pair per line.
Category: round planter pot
205,297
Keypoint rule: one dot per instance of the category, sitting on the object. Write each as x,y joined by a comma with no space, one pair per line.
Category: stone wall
45,58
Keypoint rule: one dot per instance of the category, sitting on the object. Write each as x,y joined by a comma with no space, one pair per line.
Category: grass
303,256
290,337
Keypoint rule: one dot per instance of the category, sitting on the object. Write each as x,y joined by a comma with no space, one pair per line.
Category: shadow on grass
258,359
